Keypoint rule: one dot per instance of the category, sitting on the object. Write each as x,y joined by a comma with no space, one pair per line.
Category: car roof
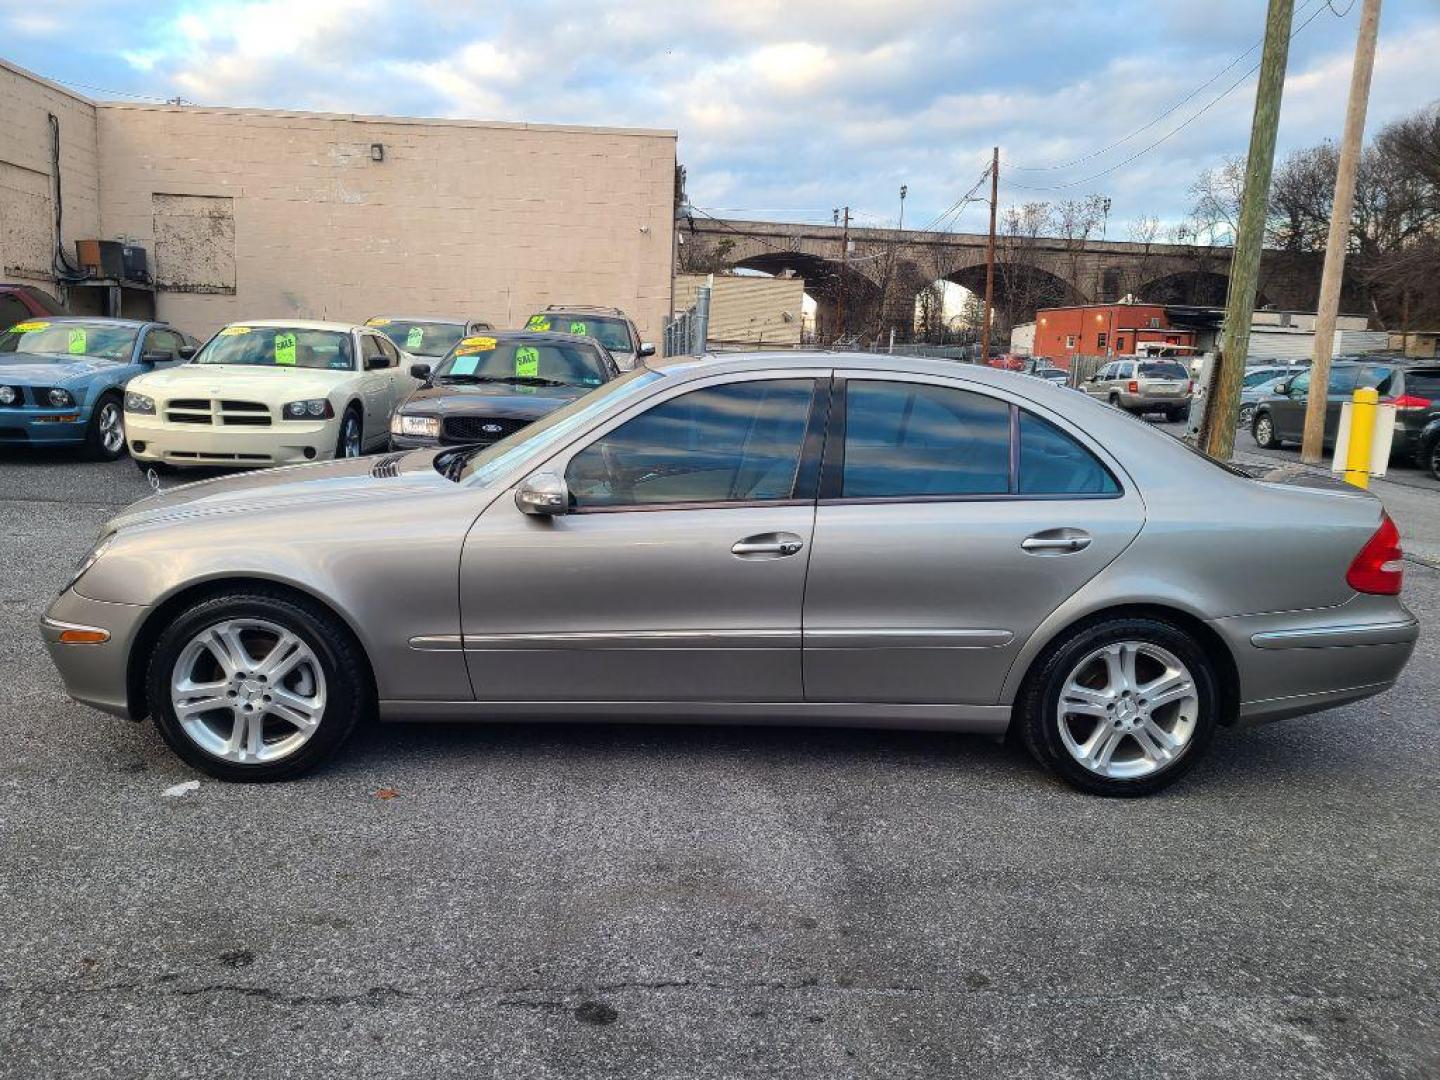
582,309
448,320
95,319
721,363
301,324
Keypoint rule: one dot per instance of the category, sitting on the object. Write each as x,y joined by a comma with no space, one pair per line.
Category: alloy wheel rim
1263,429
1128,710
248,691
112,427
352,437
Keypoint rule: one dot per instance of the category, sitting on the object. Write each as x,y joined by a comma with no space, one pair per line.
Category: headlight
313,409
8,395
426,426
89,560
60,398
139,403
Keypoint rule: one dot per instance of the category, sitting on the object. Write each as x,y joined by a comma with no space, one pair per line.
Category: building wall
748,310
1102,330
254,214
27,208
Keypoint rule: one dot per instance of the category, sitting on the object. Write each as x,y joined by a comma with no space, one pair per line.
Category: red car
21,302
1008,362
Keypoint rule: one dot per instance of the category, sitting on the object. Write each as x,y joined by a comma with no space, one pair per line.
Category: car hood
50,369
491,399
270,384
343,481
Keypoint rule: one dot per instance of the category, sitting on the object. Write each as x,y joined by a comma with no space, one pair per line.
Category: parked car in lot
270,392
804,538
1144,386
62,380
491,385
608,325
426,338
1413,387
21,302
1258,383
1056,375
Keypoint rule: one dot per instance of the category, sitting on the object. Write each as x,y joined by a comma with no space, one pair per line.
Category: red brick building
1103,330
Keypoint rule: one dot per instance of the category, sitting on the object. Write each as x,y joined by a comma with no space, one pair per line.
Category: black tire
107,420
1262,430
351,417
1430,458
1114,400
349,697
1037,710
1247,415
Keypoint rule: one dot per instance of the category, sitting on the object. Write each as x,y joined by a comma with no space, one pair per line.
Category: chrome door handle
780,544
1058,543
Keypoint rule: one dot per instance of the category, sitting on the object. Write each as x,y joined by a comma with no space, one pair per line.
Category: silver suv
1141,386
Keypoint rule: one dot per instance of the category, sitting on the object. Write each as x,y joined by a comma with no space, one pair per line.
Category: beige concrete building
258,213
748,310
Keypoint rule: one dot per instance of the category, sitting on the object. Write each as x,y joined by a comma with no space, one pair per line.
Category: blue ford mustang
62,380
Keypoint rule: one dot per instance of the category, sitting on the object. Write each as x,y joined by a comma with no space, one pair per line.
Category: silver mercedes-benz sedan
789,539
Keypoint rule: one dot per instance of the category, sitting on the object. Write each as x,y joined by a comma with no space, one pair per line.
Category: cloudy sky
785,108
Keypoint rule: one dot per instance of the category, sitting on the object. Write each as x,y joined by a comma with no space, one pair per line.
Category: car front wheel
1124,706
256,686
105,437
349,442
1262,429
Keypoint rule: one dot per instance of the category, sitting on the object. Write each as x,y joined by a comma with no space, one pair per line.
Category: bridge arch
829,284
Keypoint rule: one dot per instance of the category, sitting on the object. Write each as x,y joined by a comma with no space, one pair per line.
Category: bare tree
1216,213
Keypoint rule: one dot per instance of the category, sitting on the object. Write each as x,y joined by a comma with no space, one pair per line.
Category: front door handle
776,545
1056,542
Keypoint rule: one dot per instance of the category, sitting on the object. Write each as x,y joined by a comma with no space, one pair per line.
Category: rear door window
1053,463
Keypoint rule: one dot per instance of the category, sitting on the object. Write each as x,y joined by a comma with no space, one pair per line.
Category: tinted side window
1342,380
12,311
734,443
1378,376
914,439
1301,383
1052,463
162,341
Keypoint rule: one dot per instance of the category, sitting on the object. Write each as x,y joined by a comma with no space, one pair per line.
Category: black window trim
833,466
806,471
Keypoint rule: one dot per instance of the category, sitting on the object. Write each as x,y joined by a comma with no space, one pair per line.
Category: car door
376,387
1099,384
679,572
1340,388
402,383
951,522
1287,411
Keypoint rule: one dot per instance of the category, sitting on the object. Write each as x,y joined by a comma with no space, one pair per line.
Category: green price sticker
579,328
76,342
285,349
527,362
538,322
414,338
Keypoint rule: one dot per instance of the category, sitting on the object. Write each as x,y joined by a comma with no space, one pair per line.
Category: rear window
1163,371
1424,384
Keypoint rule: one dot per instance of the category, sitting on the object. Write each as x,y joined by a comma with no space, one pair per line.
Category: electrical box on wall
113,259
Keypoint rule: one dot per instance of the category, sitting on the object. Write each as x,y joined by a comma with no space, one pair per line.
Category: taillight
1190,387
1410,403
1134,387
1380,566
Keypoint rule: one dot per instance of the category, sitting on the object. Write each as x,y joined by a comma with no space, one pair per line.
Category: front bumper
94,675
286,442
43,427
424,442
1297,662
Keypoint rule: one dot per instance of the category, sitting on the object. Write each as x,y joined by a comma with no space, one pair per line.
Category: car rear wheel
1124,706
256,686
1432,458
105,437
1262,429
348,444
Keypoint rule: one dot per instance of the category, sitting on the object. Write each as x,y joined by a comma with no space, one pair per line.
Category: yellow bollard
1362,434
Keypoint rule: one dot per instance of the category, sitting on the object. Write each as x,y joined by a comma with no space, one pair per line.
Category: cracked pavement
613,901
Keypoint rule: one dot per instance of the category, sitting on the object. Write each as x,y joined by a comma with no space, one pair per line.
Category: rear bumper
1291,663
1154,402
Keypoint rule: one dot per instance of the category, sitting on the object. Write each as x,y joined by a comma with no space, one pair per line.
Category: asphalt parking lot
614,901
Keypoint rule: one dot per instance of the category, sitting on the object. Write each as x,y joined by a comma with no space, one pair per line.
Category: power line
1169,134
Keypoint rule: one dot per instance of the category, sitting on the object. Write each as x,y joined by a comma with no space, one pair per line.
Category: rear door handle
1056,542
777,545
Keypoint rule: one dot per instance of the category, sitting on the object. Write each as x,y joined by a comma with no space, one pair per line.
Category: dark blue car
62,380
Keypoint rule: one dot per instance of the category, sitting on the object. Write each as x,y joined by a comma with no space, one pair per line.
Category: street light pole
1313,448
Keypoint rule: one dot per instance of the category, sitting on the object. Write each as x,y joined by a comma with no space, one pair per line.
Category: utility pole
844,271
990,259
1222,403
1313,448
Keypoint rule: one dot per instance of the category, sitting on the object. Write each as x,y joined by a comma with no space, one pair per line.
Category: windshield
279,346
491,463
482,359
421,337
612,333
1163,371
58,340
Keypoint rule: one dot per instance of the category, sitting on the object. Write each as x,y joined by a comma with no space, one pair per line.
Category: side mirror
420,371
646,349
1283,389
185,352
543,495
